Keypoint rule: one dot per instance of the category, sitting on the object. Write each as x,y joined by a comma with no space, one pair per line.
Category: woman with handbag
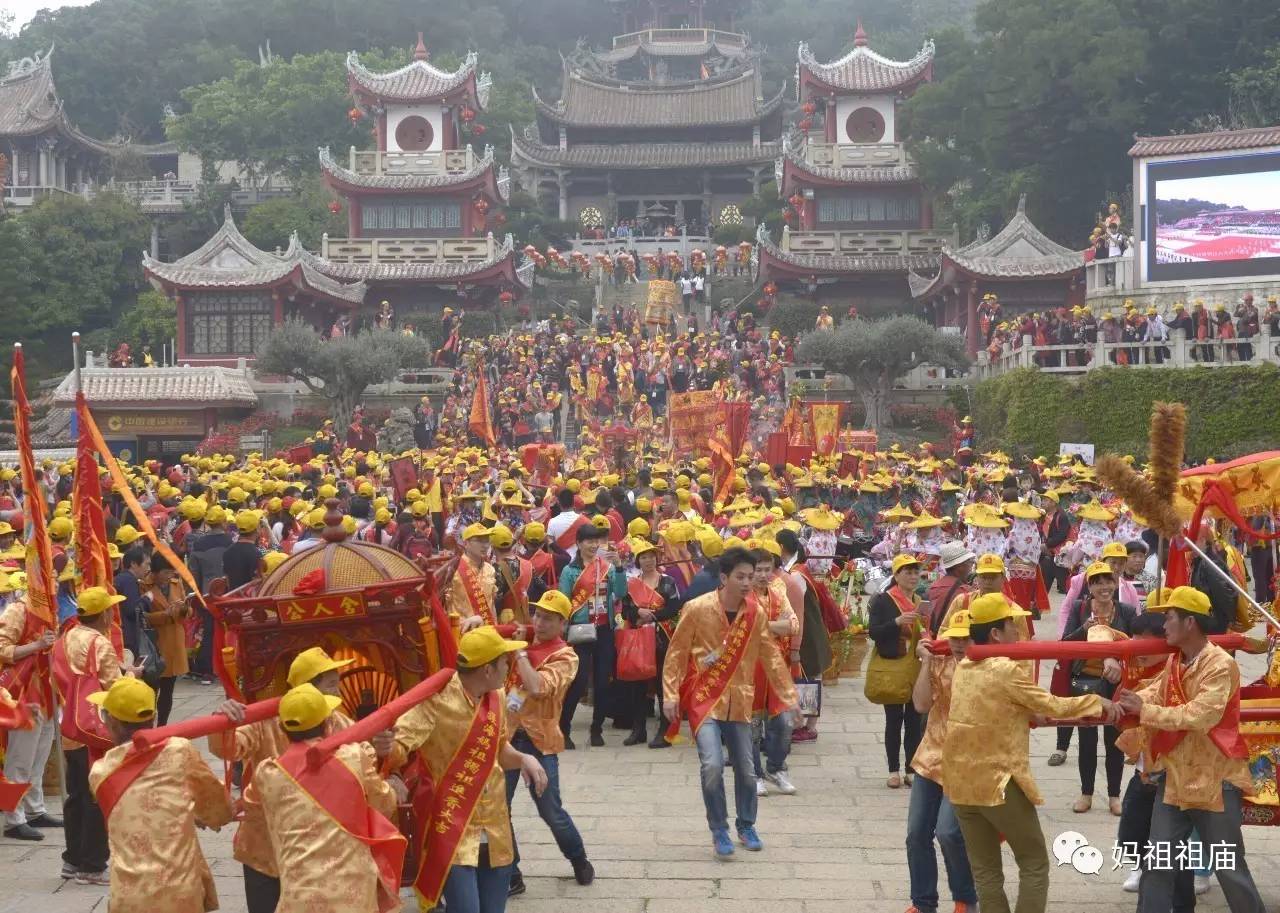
164,615
894,626
1098,617
652,600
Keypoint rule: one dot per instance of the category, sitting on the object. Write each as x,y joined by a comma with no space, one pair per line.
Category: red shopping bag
637,650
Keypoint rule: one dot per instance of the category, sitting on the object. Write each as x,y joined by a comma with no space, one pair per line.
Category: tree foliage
269,225
339,369
875,353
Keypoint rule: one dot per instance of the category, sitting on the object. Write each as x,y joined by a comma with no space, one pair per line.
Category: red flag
42,587
92,557
481,423
726,444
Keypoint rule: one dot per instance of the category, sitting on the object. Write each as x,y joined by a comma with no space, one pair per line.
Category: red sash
766,696
702,688
907,605
544,565
646,597
1225,735
475,592
518,590
454,799
569,538
585,586
135,763
339,792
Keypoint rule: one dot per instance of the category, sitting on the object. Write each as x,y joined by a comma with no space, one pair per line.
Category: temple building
424,209
43,151
671,128
1023,268
230,294
857,216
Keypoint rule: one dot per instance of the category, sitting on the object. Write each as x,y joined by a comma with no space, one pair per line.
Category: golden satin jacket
927,761
156,861
252,745
80,640
701,630
322,868
456,598
540,715
435,729
989,730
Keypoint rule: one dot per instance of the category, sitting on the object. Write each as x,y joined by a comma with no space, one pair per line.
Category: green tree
152,321
1255,92
875,353
269,224
339,369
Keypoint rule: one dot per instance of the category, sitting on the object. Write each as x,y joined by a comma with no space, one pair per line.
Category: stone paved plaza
836,846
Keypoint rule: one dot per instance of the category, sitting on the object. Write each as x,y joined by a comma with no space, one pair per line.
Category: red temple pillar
380,132
181,309
277,307
448,129
971,321
829,120
353,217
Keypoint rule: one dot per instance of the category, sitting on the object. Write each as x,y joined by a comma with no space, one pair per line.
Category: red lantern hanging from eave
805,124
809,107
355,114
796,200
468,115
478,129
481,205
506,297
788,215
335,207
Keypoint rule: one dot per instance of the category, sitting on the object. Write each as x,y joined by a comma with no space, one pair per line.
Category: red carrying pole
381,719
206,725
1080,649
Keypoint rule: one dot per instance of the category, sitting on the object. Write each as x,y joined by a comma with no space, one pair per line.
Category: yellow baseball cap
1098,568
216,515
113,551
129,700
555,601
638,528
60,528
600,521
989,564
272,560
902,561
534,532
710,543
310,663
501,536
247,521
127,535
993,607
476,531
382,515
95,600
305,707
1187,598
957,626
643,505
1115,550
481,646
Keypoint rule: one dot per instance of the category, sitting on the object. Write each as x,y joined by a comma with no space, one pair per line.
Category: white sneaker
762,788
1203,884
781,783
1131,883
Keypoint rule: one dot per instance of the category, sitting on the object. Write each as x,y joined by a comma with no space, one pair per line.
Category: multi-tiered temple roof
862,70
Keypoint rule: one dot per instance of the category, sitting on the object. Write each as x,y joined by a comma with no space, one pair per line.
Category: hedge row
1230,411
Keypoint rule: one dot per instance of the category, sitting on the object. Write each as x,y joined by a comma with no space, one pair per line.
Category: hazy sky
23,10
1256,190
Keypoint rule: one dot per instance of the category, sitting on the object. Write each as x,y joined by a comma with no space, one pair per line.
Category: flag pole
75,361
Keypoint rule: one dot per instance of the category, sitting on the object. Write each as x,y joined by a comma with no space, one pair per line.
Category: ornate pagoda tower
669,127
423,207
857,215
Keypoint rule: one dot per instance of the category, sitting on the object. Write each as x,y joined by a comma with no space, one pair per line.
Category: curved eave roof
502,265
641,156
672,49
588,102
1216,141
862,70
775,260
483,174
29,106
419,81
796,171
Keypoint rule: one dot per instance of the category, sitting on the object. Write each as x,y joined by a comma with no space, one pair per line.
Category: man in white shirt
562,528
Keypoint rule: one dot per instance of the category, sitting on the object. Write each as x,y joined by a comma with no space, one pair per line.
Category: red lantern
468,115
335,207
770,289
478,129
506,297
796,200
805,124
788,216
809,107
482,206
355,114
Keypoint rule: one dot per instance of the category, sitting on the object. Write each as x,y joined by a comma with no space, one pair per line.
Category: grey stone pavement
836,846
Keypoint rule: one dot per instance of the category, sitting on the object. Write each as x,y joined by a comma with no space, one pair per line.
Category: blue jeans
773,736
477,888
548,804
714,738
930,815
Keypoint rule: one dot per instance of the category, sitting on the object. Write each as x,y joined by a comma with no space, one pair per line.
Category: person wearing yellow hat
895,626
541,678
1098,617
83,655
332,839
652,600
1188,716
595,584
473,589
930,814
1116,556
985,769
169,788
256,742
720,695
467,717
164,608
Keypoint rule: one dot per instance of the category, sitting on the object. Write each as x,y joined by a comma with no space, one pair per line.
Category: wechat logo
1072,848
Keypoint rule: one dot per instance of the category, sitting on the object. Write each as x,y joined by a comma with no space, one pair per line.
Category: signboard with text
693,418
329,607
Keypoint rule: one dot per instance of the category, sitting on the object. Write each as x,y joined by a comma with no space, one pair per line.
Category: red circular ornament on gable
414,133
865,125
